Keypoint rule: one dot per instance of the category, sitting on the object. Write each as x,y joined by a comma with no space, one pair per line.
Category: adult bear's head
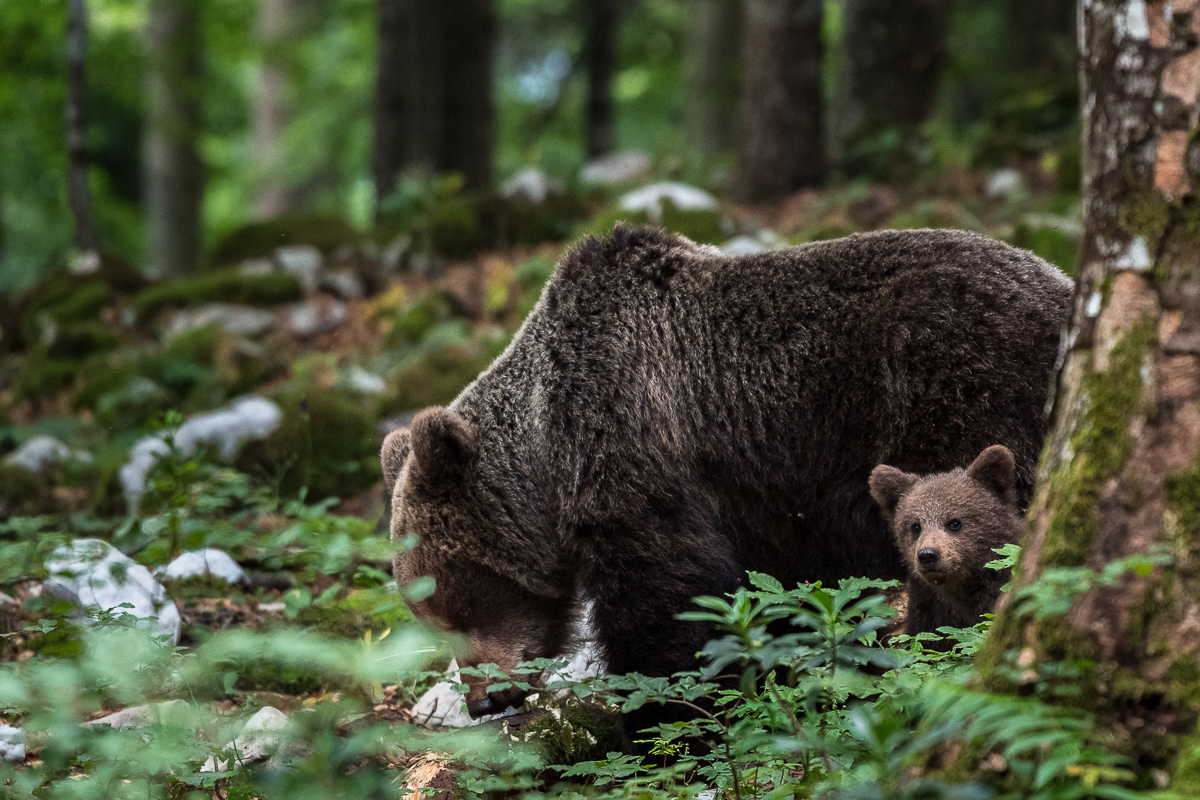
499,579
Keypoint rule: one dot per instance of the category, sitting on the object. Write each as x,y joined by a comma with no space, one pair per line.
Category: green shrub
222,286
260,239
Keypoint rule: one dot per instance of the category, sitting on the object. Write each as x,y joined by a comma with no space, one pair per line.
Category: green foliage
224,286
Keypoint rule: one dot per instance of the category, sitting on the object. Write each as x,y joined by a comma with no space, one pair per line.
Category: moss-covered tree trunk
1120,472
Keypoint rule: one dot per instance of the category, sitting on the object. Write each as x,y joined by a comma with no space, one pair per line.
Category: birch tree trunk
174,171
1120,472
601,26
75,113
712,62
272,107
782,133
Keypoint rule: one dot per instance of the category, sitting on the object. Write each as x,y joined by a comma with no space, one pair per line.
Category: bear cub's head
946,525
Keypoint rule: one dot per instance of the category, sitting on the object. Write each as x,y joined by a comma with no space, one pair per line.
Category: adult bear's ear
396,448
444,446
888,485
996,469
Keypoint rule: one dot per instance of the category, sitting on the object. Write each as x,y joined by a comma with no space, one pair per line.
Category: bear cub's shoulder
947,526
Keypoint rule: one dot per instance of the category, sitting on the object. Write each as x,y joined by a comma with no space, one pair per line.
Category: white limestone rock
97,577
532,184
259,739
309,319
235,319
40,454
140,716
616,168
208,561
302,261
649,199
12,743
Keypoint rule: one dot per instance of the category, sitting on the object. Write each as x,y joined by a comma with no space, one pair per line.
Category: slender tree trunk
272,107
892,64
712,61
603,22
75,114
393,96
174,171
1121,469
468,47
782,133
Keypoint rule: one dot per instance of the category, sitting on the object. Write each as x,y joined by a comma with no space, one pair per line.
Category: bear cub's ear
396,448
444,446
888,485
996,469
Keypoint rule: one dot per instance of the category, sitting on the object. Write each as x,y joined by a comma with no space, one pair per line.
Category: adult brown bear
668,418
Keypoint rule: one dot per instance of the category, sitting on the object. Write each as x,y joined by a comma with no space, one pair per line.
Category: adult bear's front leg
639,578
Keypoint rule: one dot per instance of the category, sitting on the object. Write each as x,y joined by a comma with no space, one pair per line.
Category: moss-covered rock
700,225
41,376
22,492
518,221
569,731
224,286
435,379
417,316
325,232
326,442
74,340
61,299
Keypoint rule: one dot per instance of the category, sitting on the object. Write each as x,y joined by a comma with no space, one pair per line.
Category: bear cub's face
946,525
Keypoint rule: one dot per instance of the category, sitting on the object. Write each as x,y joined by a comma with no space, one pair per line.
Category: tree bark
712,62
75,113
601,46
1121,469
272,107
891,67
468,46
174,171
782,133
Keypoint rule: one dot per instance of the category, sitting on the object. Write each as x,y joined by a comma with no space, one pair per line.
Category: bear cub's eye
954,525
916,529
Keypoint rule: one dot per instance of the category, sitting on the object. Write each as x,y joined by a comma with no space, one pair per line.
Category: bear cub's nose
927,556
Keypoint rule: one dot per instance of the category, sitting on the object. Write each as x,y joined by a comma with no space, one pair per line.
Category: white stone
363,381
139,716
443,707
132,474
533,184
95,575
260,737
345,282
302,261
650,199
238,320
256,266
247,419
309,319
1133,23
1004,184
615,168
1093,305
743,246
12,743
86,263
208,561
39,454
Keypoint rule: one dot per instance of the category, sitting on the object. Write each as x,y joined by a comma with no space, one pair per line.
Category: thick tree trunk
782,134
601,26
1121,468
174,171
712,67
272,107
470,41
409,90
891,67
1041,38
75,114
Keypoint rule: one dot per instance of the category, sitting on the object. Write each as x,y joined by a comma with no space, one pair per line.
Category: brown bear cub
946,526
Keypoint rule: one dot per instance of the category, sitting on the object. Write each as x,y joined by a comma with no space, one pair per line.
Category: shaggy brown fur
668,418
947,526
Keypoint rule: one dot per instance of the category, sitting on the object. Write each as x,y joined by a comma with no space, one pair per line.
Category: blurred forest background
351,121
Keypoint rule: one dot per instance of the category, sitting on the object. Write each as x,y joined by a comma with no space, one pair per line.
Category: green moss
79,339
1148,216
602,224
62,298
572,732
42,376
831,228
519,222
434,380
22,492
1185,781
419,315
260,239
1100,445
224,286
326,442
1183,497
699,225
1183,682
